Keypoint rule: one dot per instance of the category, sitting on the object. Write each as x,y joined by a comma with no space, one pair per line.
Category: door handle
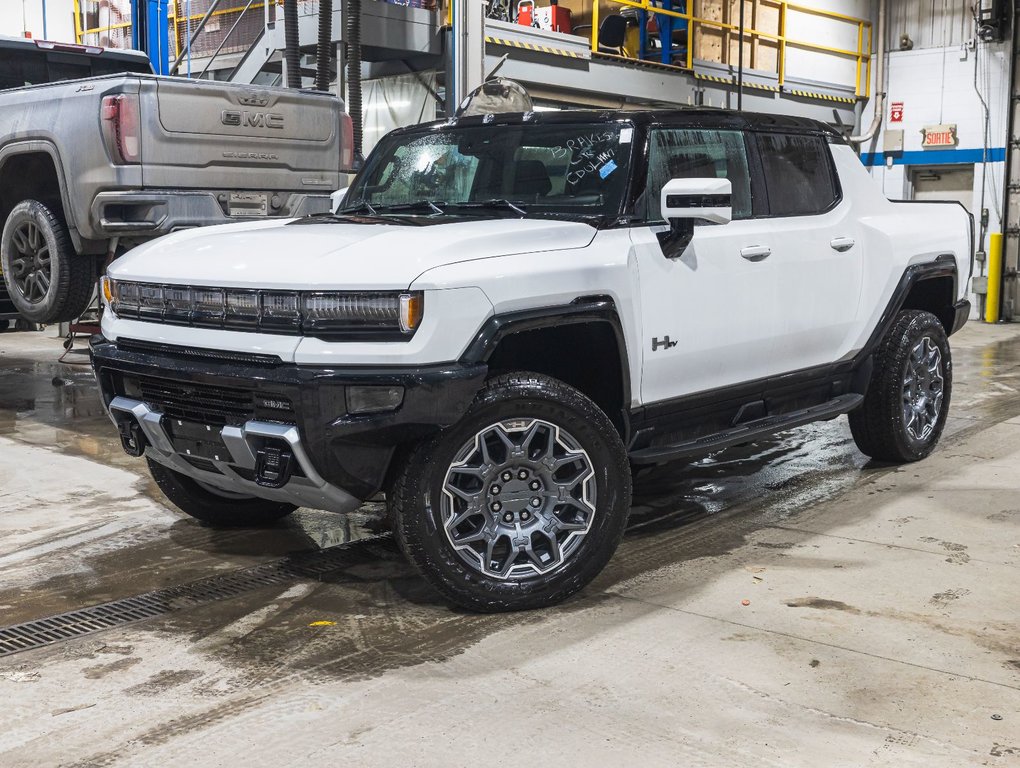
842,244
756,252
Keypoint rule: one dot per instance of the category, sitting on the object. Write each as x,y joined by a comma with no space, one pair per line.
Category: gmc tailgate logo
247,119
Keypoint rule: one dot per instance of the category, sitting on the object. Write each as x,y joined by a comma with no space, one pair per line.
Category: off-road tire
879,426
71,277
512,399
216,510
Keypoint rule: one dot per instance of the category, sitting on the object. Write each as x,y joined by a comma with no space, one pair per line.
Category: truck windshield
576,169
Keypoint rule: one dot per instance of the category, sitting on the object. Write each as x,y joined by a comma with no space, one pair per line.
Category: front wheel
905,409
216,508
520,504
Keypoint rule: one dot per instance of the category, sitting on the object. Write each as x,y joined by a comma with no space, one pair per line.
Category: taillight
346,142
121,126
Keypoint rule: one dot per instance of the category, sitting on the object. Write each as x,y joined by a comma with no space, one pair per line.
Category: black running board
748,432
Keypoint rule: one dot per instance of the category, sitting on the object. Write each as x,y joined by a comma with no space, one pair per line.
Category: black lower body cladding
352,452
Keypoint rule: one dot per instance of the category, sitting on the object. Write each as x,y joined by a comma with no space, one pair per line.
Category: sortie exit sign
943,135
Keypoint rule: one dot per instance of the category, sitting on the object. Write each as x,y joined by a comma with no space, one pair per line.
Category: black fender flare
584,309
944,265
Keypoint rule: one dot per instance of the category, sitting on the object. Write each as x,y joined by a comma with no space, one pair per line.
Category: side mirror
336,199
686,202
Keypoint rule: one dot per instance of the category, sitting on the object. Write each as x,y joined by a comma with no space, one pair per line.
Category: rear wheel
46,280
519,505
905,410
215,507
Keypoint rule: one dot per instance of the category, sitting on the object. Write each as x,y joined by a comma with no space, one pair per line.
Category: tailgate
209,135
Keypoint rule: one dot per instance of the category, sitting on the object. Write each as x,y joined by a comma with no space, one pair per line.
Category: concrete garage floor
883,625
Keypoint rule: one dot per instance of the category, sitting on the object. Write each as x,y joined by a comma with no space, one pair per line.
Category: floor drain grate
97,618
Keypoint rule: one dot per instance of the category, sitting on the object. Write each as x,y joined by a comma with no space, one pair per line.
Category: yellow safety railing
80,31
862,54
178,20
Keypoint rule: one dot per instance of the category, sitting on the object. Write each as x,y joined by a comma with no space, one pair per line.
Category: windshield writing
516,170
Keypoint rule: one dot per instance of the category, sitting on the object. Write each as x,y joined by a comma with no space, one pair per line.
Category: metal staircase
388,32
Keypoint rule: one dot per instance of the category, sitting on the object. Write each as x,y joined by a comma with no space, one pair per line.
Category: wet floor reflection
680,512
43,402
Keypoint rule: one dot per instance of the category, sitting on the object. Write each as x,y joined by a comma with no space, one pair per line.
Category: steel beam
468,47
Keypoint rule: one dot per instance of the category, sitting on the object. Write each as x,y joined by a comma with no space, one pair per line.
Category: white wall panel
16,17
938,86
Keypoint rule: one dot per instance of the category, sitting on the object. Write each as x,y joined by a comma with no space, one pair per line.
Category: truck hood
352,253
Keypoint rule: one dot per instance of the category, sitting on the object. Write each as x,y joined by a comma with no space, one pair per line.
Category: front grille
214,405
216,355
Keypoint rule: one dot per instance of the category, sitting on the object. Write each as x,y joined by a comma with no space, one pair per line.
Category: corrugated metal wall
929,23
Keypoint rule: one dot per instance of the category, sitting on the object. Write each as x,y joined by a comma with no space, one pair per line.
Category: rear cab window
21,65
800,176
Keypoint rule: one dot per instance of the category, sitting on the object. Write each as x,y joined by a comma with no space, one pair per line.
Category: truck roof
693,117
21,43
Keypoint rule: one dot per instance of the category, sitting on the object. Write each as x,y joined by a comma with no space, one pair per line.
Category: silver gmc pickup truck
98,155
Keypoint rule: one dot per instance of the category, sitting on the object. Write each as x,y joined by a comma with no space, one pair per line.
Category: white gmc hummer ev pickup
509,312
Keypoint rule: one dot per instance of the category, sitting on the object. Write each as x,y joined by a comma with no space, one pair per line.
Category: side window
798,174
687,153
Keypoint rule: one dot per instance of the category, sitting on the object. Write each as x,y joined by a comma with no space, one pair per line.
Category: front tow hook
132,438
273,466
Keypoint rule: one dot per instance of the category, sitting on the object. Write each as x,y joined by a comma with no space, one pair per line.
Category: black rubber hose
322,50
354,74
292,51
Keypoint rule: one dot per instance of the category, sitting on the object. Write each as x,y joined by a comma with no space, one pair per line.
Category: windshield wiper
417,205
363,207
494,204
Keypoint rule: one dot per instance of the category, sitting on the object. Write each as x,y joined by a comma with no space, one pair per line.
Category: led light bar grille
353,315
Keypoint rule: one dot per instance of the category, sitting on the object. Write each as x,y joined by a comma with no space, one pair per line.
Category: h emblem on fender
663,343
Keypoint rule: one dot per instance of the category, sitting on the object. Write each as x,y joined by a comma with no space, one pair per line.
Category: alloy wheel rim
30,262
923,389
518,499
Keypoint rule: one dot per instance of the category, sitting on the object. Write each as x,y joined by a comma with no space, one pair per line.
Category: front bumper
210,416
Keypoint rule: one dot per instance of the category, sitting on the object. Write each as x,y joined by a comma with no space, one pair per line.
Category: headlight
361,312
333,315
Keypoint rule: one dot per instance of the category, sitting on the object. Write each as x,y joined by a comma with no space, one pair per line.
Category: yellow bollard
994,277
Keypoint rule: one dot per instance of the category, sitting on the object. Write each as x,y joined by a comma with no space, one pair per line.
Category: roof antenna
844,129
499,65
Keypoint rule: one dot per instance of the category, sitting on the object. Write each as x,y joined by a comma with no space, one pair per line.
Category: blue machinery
152,32
667,25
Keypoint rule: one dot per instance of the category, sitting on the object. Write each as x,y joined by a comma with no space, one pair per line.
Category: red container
560,19
554,18
525,13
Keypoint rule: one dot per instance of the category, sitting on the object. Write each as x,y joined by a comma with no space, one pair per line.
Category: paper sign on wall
896,112
943,135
